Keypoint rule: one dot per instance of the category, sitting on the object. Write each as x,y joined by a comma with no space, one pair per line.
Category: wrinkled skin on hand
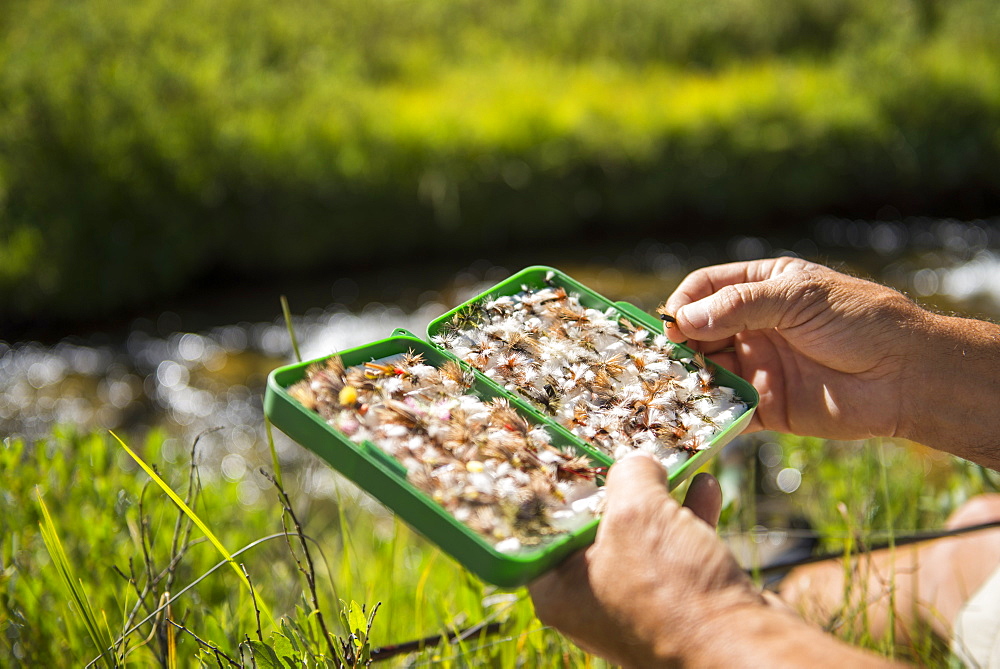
658,589
655,576
827,352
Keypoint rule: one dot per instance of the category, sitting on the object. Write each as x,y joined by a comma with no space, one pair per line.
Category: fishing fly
600,362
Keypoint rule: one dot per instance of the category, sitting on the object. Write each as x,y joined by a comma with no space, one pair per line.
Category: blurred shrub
145,143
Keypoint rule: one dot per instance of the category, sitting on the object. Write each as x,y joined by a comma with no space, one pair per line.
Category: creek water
200,365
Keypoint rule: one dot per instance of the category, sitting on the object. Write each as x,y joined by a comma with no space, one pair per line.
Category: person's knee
980,509
816,591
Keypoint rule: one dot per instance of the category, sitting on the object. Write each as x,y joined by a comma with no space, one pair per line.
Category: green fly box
577,378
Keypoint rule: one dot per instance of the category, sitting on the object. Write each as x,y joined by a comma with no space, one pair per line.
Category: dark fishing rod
483,628
903,540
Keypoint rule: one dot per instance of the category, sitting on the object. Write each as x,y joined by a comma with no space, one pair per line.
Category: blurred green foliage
110,524
118,531
145,143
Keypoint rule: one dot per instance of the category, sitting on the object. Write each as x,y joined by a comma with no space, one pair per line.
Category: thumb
637,476
739,307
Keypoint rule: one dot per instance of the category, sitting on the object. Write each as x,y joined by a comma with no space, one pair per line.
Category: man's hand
657,588
656,576
828,353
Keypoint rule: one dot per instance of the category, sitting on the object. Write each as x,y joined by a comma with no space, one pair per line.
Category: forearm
952,395
765,636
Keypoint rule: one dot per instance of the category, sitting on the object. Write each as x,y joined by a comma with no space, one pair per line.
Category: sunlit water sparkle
190,382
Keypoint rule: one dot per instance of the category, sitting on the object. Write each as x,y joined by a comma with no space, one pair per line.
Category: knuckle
806,290
732,298
808,287
626,514
741,294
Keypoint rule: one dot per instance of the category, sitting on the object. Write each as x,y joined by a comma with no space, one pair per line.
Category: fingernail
696,314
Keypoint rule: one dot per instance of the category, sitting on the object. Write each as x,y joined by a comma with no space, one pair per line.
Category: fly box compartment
639,391
502,551
530,290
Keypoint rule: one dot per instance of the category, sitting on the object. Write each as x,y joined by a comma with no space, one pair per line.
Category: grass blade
198,522
288,324
275,463
74,587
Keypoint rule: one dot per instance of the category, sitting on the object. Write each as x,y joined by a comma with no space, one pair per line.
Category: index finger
709,280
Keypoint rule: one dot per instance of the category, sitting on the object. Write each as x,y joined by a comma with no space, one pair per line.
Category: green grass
98,630
113,524
118,532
